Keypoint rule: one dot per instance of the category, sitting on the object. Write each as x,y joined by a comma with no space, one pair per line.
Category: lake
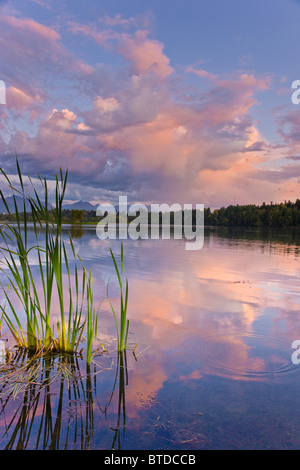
209,360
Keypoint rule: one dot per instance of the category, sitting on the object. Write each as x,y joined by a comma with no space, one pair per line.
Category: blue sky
164,101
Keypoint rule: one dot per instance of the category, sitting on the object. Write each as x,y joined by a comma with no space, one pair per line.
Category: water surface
209,359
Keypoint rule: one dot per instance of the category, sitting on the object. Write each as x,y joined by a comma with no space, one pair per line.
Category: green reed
122,330
40,334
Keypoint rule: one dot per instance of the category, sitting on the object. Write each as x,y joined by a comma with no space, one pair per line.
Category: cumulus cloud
35,58
136,130
141,139
145,55
288,127
201,73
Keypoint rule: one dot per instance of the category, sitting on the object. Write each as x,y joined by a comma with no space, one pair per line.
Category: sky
163,101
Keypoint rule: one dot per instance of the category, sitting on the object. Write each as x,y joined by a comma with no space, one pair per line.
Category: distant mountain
81,205
11,205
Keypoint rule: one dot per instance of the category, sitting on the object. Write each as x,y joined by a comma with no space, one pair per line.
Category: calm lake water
209,363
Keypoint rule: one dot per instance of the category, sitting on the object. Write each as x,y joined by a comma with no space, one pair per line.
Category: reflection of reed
119,428
37,423
56,408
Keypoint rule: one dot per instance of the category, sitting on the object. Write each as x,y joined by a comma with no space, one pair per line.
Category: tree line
273,215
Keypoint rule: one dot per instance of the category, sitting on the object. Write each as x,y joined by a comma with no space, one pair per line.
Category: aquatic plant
32,418
53,266
48,402
122,330
120,426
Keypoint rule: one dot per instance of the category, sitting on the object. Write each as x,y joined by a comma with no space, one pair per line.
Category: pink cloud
53,146
34,55
101,37
201,73
142,53
145,55
140,135
140,132
28,24
23,101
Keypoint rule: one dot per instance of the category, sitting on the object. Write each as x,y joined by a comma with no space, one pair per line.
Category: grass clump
122,330
60,273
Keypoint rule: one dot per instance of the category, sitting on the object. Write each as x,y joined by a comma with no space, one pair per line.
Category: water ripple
248,356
